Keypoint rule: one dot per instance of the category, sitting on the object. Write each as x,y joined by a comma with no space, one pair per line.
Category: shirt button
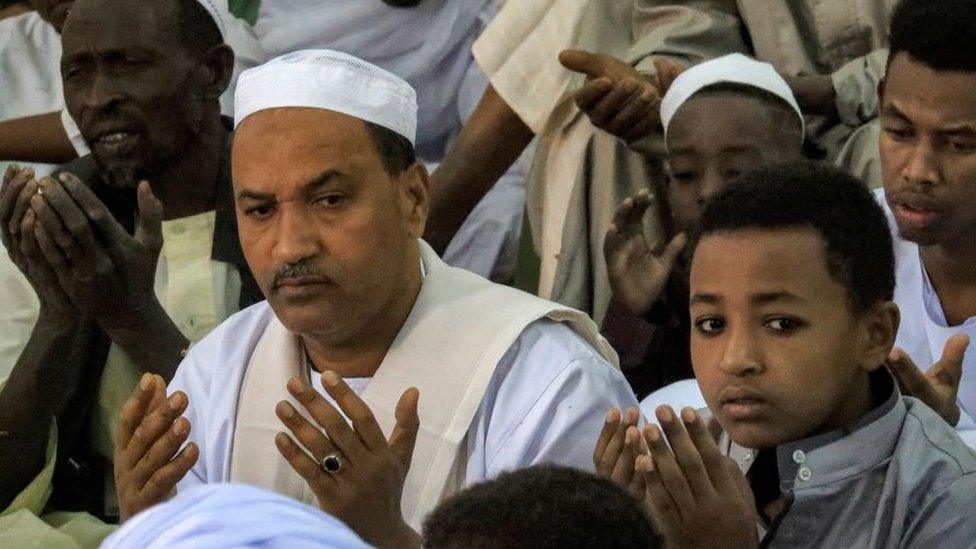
805,474
799,457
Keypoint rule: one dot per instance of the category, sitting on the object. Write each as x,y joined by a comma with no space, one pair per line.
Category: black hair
785,116
817,196
544,506
198,30
939,33
395,150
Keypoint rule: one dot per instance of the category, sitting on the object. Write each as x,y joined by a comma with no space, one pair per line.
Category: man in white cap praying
331,204
720,118
125,280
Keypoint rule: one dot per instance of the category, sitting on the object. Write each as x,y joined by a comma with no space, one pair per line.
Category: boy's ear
879,326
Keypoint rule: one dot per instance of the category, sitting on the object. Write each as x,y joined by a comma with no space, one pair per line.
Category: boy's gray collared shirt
900,477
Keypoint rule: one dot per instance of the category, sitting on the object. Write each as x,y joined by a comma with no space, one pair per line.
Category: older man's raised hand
19,229
148,458
355,472
107,273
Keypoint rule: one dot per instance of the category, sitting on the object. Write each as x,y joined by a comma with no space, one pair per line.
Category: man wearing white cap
428,44
144,81
331,204
720,118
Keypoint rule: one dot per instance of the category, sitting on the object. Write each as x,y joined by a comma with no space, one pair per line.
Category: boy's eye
709,326
783,324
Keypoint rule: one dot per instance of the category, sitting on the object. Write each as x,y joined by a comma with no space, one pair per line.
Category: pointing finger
590,64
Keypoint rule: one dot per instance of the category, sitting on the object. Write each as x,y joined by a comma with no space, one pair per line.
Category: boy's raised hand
697,496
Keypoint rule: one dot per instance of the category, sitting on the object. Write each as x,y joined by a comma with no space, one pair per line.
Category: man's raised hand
939,386
367,471
148,459
107,273
616,97
18,226
638,272
617,448
697,496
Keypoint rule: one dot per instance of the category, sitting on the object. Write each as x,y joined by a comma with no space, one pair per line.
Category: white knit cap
330,80
211,7
735,69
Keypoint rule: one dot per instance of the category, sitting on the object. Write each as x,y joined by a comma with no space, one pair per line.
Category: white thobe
923,330
30,71
546,401
679,395
20,308
429,46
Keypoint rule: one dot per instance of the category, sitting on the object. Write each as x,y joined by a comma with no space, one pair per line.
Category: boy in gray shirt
792,319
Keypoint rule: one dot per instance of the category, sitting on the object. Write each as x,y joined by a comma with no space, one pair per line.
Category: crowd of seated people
486,273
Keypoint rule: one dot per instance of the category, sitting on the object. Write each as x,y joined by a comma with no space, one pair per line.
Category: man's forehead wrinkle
915,110
131,23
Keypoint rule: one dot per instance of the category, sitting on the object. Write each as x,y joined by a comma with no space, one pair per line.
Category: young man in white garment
331,205
928,158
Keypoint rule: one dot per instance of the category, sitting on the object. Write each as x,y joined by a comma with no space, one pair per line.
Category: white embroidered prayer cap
330,80
211,7
734,69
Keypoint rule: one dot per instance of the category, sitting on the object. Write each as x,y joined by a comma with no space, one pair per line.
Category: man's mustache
299,269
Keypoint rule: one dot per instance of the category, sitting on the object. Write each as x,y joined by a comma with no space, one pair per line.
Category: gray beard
121,176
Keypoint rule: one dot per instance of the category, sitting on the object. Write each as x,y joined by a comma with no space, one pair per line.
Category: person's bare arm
491,141
52,365
39,138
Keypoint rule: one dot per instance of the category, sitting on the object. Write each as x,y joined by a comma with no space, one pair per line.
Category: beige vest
459,329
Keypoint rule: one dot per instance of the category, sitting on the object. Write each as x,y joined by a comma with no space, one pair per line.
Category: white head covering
232,516
330,80
211,7
734,68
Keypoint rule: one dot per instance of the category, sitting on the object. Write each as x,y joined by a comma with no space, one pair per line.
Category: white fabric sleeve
74,134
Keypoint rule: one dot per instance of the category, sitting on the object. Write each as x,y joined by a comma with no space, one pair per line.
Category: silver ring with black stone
332,463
